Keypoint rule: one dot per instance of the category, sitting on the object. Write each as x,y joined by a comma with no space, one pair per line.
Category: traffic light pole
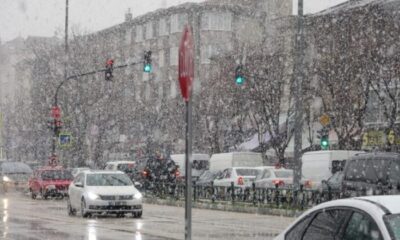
298,128
55,103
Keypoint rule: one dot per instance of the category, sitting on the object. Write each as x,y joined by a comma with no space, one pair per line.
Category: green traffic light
324,143
147,68
239,80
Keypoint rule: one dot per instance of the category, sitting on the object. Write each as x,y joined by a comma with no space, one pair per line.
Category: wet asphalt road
22,218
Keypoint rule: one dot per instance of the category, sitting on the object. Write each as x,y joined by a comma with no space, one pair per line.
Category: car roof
119,162
388,204
379,155
102,171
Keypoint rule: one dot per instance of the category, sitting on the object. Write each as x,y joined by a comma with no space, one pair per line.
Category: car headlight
138,195
6,179
93,196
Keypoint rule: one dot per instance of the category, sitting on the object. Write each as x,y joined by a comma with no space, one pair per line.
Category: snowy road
22,218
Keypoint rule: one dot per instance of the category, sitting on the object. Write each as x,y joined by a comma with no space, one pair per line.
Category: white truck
200,163
321,165
221,161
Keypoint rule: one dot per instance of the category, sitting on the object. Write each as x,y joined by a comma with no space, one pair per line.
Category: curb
227,207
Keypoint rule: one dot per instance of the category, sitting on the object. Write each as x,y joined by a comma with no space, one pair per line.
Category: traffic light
325,142
109,70
323,135
147,62
239,77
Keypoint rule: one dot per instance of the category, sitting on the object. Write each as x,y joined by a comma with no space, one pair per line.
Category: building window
208,51
173,89
161,58
173,56
178,21
139,33
149,30
216,21
128,36
162,27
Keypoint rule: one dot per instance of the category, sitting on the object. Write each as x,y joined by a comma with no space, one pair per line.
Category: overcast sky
46,17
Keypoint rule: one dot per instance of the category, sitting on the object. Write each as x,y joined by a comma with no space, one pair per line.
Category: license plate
117,203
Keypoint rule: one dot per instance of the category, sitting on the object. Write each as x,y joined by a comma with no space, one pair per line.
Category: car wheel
43,195
71,211
137,214
33,195
83,209
120,215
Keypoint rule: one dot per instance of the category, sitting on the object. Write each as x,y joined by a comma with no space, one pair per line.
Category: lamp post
298,133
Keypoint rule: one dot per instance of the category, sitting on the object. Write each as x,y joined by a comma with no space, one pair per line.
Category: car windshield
284,173
393,224
247,172
108,179
56,175
126,167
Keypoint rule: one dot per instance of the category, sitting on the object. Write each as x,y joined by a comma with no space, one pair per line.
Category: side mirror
79,184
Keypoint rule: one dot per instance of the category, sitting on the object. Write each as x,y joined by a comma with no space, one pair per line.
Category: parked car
366,218
14,175
206,178
159,171
321,165
103,191
76,171
50,182
372,173
270,177
240,176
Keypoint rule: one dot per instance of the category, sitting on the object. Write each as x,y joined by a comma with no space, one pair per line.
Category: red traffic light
56,112
109,62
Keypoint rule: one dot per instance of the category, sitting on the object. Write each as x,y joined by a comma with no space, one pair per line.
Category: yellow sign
324,120
374,138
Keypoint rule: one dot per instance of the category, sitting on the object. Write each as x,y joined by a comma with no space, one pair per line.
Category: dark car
159,171
14,175
371,174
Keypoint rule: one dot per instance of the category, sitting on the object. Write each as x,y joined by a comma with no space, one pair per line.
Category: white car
270,177
369,218
240,176
103,191
76,171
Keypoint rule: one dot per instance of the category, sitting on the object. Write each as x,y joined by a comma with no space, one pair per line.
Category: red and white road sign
186,63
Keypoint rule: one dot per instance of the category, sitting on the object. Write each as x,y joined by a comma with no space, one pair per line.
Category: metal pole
298,132
54,142
188,172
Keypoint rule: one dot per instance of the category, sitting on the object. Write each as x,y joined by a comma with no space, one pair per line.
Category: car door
74,191
326,224
361,226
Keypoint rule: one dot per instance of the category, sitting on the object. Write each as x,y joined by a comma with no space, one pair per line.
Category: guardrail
278,197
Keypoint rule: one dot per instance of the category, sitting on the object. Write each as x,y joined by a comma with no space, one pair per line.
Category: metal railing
277,197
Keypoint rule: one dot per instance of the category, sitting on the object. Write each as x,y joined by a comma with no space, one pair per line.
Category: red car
50,182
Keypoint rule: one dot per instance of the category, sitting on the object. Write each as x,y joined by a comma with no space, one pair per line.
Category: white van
200,163
222,161
321,165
